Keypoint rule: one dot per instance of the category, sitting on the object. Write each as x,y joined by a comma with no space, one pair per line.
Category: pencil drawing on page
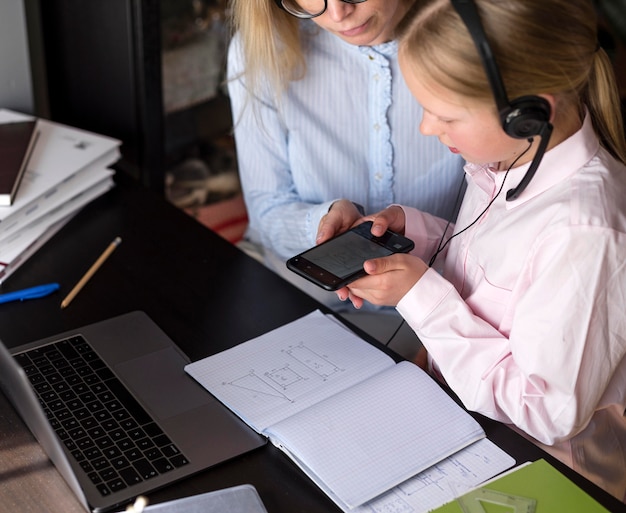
277,382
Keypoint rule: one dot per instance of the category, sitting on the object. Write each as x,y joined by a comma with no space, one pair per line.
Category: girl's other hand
388,280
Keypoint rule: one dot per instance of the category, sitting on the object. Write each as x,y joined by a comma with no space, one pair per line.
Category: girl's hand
388,280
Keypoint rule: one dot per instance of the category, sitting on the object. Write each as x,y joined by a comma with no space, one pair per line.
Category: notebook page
364,441
444,481
284,371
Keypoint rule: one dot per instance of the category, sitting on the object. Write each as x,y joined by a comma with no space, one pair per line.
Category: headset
521,118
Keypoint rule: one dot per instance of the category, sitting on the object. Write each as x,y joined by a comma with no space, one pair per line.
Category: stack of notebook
66,168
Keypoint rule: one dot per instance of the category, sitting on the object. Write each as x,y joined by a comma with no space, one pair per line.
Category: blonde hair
271,43
270,39
535,55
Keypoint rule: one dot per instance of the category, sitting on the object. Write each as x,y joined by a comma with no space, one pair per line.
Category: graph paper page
377,434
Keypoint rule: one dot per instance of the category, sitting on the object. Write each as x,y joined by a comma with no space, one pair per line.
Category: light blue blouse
349,129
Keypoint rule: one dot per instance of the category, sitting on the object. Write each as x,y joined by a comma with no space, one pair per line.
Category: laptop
116,413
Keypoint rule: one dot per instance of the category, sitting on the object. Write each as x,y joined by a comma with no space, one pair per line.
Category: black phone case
322,277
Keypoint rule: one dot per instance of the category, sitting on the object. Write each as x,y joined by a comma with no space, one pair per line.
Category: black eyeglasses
308,8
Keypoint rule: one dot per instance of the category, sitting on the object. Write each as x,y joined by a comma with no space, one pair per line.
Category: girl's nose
428,125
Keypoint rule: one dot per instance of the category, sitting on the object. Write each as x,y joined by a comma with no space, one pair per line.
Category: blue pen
31,293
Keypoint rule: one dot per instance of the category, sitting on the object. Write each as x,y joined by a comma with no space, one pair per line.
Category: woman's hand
341,216
388,280
392,218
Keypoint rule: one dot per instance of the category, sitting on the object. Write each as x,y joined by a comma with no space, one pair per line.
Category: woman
323,119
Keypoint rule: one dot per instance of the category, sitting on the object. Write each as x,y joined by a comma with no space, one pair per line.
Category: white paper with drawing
282,372
355,421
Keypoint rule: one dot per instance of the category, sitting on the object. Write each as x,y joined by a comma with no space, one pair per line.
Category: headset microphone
514,193
521,118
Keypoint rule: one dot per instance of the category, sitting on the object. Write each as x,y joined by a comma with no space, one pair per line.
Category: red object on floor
228,218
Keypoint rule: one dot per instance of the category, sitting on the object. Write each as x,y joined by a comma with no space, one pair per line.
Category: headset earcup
526,116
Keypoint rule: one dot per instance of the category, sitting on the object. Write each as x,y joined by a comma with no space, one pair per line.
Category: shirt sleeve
546,368
427,232
279,217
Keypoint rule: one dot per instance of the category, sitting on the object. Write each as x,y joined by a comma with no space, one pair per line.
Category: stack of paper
68,168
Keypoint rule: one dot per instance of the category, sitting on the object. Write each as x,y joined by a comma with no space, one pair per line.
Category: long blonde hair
270,40
271,43
540,46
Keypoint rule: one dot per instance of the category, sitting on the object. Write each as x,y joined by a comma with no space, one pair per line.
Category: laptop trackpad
161,382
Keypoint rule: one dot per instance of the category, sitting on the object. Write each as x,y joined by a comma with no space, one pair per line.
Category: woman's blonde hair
540,46
271,43
270,40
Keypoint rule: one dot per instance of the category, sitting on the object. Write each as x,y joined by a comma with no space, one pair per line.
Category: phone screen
339,261
345,255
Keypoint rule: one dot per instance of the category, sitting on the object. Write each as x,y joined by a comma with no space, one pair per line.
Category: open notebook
356,422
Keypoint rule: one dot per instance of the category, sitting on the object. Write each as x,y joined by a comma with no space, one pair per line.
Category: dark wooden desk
208,296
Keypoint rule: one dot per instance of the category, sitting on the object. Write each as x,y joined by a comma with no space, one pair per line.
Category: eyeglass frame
304,16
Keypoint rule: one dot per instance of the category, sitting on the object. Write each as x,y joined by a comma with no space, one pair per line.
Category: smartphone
339,261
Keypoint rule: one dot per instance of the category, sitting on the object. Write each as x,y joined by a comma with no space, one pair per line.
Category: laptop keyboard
106,430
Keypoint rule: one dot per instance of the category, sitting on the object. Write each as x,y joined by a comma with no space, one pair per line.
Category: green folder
533,488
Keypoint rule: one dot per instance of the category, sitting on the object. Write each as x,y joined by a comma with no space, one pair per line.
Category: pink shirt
528,322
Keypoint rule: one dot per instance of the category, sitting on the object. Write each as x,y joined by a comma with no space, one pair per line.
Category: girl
525,318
